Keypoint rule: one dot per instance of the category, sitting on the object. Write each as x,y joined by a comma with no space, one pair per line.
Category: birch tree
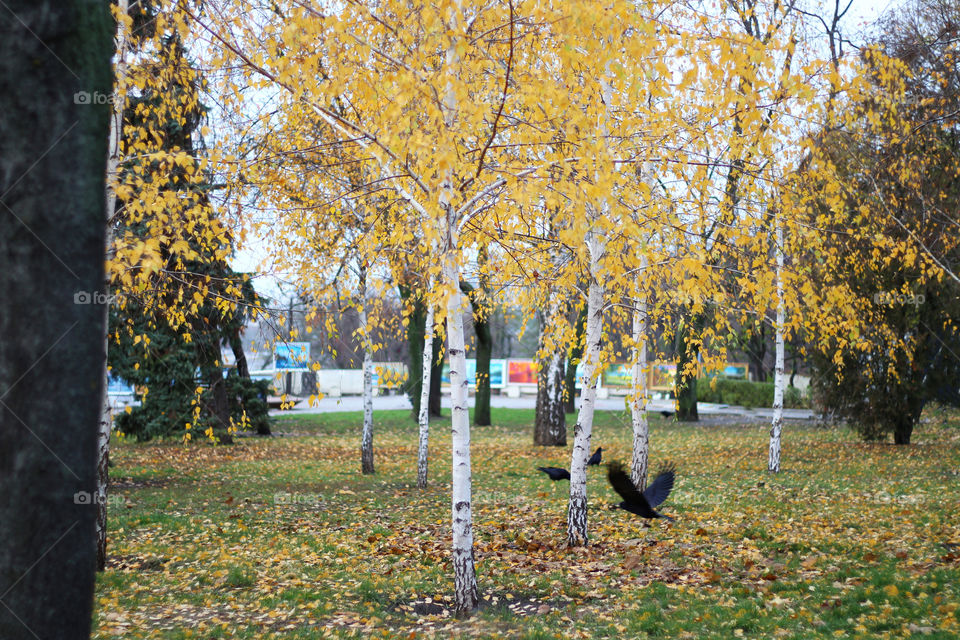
423,419
428,137
639,392
117,102
779,380
597,63
577,509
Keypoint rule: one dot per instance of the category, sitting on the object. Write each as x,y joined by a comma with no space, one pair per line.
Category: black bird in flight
555,473
595,458
641,504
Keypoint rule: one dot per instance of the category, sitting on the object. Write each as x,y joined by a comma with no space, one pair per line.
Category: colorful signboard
291,355
498,374
497,370
118,386
663,375
617,375
521,372
737,370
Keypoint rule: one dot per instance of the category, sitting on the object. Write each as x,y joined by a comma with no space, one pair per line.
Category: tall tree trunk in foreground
113,161
53,144
576,352
577,508
779,380
550,422
639,392
366,441
423,448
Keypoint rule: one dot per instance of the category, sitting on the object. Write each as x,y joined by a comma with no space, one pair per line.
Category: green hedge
745,393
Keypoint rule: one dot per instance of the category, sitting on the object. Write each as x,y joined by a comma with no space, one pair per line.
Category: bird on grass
595,458
666,414
642,504
555,473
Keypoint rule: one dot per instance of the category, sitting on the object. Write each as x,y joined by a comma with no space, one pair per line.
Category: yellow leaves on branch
669,130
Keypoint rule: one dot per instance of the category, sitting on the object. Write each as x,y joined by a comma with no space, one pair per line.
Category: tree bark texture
53,148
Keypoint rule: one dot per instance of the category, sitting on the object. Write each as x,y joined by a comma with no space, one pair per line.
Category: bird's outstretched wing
621,483
661,486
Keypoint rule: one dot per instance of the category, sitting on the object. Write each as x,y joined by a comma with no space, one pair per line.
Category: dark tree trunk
219,407
236,345
481,327
903,431
686,385
481,412
757,351
550,425
415,330
53,148
570,377
435,373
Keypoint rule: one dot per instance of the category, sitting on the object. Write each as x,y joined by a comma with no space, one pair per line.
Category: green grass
283,537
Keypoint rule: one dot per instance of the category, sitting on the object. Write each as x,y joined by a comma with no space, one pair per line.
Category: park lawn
283,537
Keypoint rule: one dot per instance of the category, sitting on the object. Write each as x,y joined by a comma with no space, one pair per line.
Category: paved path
617,403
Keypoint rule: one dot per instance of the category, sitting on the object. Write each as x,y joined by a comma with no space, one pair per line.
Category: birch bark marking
366,442
773,462
113,161
550,428
465,580
466,596
423,448
577,508
639,392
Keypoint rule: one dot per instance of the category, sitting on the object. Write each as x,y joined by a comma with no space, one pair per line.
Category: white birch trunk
423,447
113,161
639,392
779,380
464,572
366,442
577,508
466,593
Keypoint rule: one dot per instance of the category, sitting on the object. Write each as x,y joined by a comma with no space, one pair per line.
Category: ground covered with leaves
283,537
